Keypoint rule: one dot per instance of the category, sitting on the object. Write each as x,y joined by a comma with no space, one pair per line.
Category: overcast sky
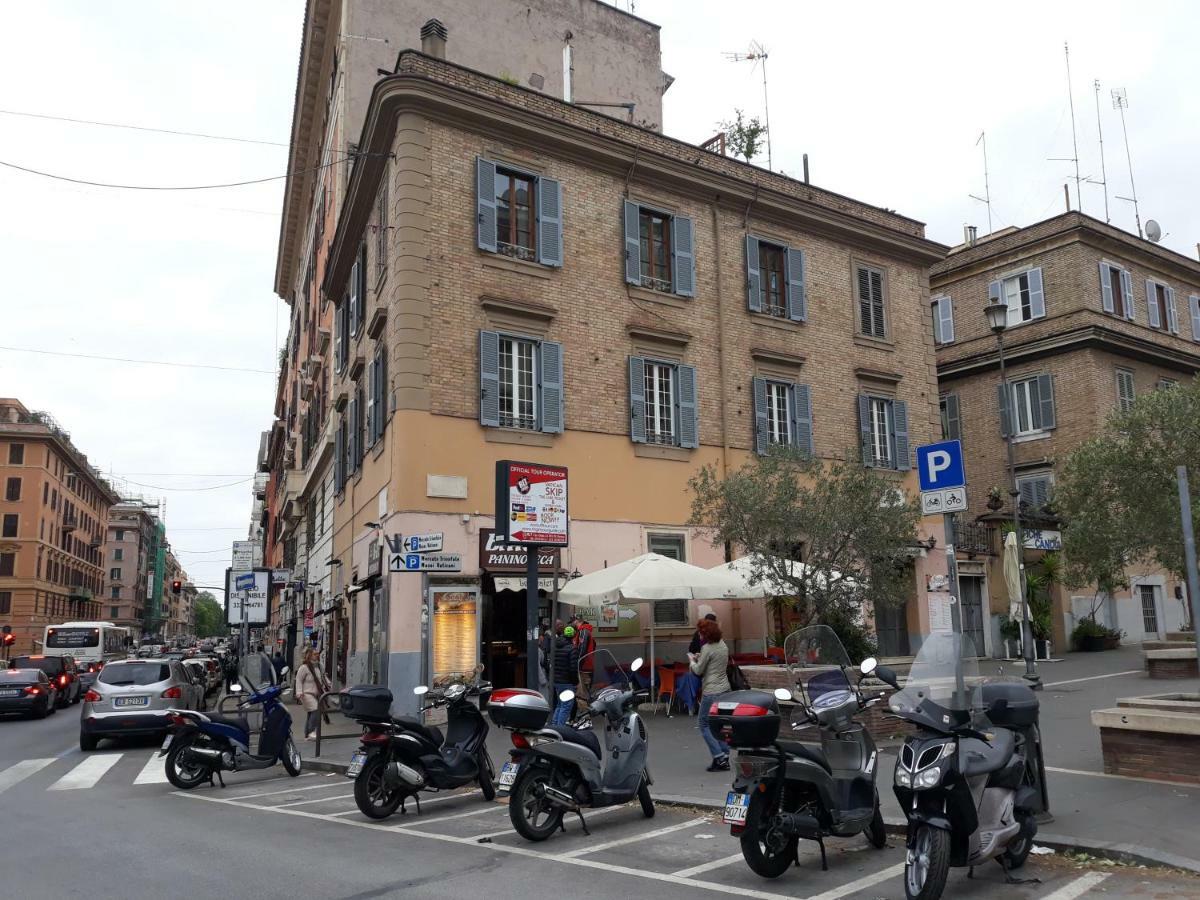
887,99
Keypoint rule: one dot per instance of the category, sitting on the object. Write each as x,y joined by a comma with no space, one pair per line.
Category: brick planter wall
1149,754
1173,668
767,678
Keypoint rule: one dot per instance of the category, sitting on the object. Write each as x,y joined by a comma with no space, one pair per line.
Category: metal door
891,628
1150,618
971,610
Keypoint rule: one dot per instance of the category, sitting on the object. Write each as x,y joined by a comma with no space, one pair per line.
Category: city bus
91,643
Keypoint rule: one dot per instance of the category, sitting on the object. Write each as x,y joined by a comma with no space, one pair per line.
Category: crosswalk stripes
153,772
79,773
87,773
18,772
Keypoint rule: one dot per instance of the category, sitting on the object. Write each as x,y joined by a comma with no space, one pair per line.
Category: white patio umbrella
1012,576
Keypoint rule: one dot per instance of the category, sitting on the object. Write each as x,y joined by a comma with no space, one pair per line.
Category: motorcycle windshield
817,661
257,671
943,688
604,670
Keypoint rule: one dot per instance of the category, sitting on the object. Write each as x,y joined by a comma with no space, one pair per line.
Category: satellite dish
1153,232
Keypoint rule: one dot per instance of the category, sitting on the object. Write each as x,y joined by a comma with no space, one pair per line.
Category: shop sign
531,503
1037,539
497,556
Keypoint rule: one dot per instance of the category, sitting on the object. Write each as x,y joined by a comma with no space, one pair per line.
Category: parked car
199,674
87,675
60,669
27,691
131,697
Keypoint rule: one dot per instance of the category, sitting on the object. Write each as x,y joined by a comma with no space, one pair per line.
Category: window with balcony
659,250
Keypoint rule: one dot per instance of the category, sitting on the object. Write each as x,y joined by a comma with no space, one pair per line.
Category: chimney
969,233
433,39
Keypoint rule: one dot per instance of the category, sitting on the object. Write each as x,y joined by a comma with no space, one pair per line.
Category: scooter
971,781
789,789
203,745
559,769
400,757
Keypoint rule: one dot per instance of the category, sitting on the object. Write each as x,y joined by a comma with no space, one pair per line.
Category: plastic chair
776,654
666,685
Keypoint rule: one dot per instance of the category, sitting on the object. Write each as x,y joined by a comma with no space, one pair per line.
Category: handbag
737,681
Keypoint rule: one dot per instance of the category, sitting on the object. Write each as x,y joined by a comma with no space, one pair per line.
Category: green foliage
744,137
1089,628
1117,493
854,533
858,641
1010,628
209,616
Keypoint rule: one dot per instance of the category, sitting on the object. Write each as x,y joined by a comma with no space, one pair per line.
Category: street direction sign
941,466
244,581
425,562
254,590
423,543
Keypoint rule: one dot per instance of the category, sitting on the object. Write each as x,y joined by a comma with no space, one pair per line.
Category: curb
320,765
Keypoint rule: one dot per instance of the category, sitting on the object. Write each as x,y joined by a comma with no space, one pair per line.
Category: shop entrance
503,634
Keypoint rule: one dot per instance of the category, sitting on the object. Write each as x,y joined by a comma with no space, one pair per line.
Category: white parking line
1092,678
632,839
424,803
1078,887
154,771
489,808
590,814
87,773
18,772
318,800
861,884
310,787
709,866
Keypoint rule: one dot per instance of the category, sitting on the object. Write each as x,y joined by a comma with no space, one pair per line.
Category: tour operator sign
531,503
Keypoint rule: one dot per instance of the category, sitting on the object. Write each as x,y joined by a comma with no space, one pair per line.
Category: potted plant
1112,640
995,498
1090,636
1010,633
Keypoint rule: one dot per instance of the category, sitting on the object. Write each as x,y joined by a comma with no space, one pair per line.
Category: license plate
508,774
735,808
356,763
130,701
167,742
10,693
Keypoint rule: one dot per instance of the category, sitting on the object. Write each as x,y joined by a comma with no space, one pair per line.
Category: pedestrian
278,662
310,687
585,646
697,640
710,665
566,658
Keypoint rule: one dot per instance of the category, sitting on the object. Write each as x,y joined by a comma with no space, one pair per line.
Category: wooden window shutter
864,430
1152,305
953,418
551,372
489,379
637,399
753,275
1127,288
631,221
1004,394
758,390
797,298
1045,408
689,433
1037,298
1172,315
900,435
802,433
549,222
485,202
683,256
1106,294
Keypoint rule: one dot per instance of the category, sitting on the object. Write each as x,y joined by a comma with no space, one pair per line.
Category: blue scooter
203,745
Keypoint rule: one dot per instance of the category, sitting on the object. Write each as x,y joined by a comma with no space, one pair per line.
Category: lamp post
997,319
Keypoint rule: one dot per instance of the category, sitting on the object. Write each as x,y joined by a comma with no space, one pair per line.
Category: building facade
53,515
1096,317
129,557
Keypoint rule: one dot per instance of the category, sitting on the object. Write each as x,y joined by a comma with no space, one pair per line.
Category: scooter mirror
867,666
566,696
285,670
636,664
235,689
421,690
783,694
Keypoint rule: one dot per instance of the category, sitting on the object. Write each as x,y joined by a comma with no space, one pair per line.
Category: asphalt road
106,824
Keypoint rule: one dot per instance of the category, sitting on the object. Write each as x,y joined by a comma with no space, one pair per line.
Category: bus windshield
72,638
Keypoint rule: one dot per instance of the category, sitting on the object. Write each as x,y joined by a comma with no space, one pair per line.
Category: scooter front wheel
372,795
291,757
646,800
487,776
534,817
182,771
927,864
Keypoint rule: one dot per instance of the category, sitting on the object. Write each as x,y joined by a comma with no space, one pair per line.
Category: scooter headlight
903,777
929,778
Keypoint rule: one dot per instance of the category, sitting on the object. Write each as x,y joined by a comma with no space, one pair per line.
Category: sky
888,100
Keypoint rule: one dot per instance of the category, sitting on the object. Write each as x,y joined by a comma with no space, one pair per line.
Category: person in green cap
565,661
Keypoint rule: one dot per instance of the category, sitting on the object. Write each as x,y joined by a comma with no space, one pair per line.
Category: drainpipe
721,338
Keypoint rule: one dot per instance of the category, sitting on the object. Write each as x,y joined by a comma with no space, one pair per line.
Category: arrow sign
423,543
425,562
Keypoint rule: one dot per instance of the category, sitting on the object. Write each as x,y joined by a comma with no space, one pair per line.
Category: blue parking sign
940,466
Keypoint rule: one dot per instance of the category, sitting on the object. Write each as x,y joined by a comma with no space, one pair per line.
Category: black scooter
401,756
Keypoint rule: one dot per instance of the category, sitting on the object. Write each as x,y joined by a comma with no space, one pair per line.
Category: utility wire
183,474
224,528
211,487
145,362
195,134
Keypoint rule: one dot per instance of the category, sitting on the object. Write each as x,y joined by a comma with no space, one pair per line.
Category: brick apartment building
53,514
1097,316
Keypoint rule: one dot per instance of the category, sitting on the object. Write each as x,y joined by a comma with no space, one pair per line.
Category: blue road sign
412,562
941,466
245,582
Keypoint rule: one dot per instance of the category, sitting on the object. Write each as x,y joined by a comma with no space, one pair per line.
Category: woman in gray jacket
710,664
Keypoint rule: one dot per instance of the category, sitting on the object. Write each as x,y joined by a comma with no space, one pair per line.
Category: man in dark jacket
566,658
697,640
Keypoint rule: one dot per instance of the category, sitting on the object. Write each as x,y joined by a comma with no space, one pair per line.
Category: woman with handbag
310,687
710,665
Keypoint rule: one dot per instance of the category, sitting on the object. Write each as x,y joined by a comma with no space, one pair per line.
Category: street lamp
997,319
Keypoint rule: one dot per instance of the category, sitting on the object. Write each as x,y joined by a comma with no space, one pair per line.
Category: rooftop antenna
1074,139
986,199
757,53
1103,171
1121,102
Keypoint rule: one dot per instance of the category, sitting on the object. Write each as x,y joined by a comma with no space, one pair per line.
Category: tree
743,137
1118,497
209,616
855,531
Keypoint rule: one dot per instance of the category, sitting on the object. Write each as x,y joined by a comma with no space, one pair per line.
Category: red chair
666,685
776,654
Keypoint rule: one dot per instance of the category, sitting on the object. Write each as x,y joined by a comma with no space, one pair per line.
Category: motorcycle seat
574,736
231,721
979,758
430,732
805,751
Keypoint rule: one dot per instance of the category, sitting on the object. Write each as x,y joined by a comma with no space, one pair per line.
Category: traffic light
176,586
9,640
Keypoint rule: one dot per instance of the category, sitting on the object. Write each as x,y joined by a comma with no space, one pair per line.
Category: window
1160,306
1167,383
5,603
1022,294
782,415
1194,315
377,395
16,454
1032,406
10,525
120,535
883,428
1116,291
662,402
518,214
12,490
54,498
342,460
115,592
775,279
1149,608
8,563
1035,490
113,612
521,383
951,419
341,339
943,320
659,252
673,546
114,574
357,410
872,321
1125,391
381,228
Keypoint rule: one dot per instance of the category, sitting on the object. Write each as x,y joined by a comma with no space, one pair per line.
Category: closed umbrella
1012,575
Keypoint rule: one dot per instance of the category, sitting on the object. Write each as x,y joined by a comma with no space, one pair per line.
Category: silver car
132,696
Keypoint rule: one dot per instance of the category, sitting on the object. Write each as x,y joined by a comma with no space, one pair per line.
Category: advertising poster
455,626
532,503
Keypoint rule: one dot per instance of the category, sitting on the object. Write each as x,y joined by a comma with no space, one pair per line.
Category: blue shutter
1127,287
339,466
637,399
552,387
1045,389
489,379
797,299
902,454
1106,294
1152,305
485,203
689,435
683,256
383,402
354,438
371,370
943,316
549,222
1037,299
631,218
339,336
753,276
1172,314
1004,395
864,430
1194,310
802,435
758,390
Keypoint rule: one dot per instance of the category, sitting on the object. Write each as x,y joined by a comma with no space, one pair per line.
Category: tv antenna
1074,139
1103,172
986,199
1121,102
756,54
